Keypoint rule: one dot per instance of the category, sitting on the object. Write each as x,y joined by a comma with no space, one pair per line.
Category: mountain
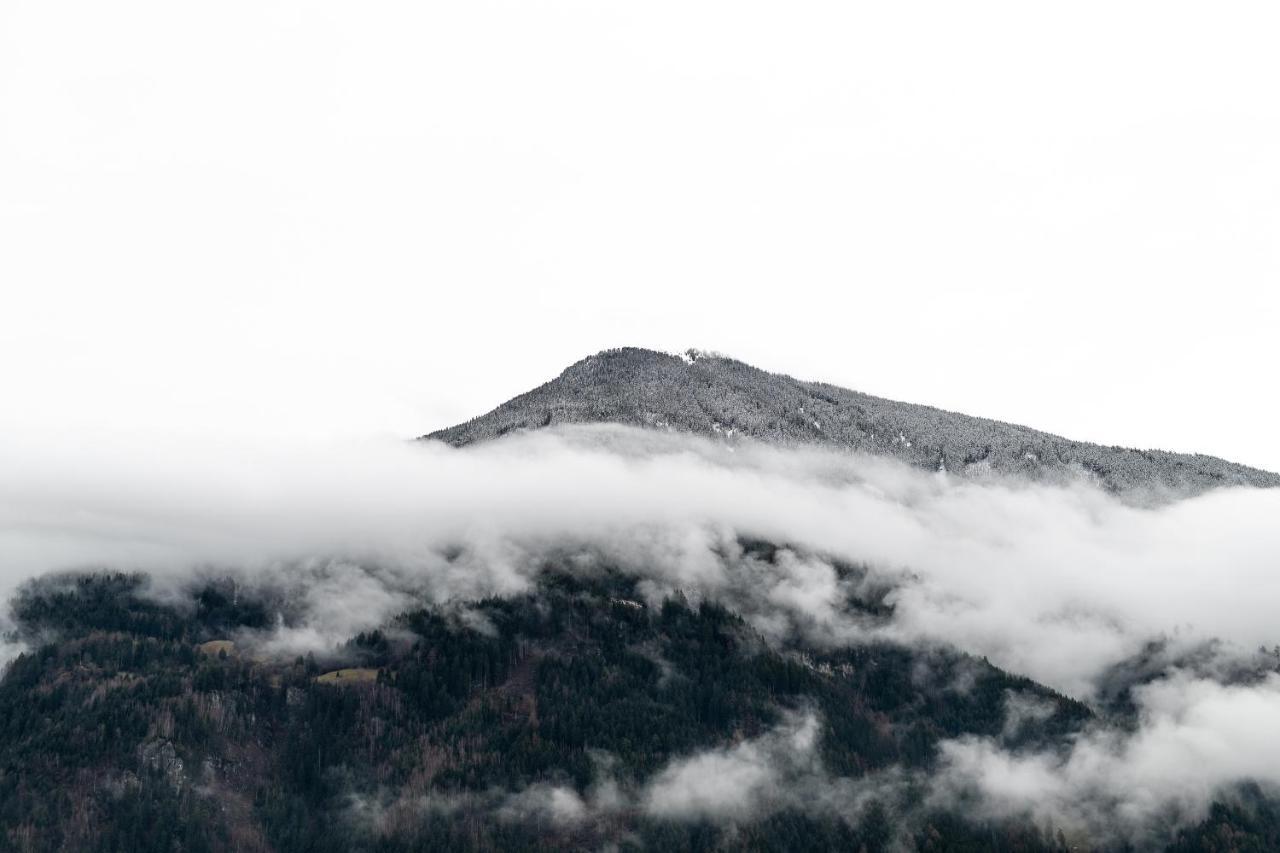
715,396
645,688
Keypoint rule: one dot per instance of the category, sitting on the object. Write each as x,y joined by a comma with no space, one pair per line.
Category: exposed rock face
160,755
720,397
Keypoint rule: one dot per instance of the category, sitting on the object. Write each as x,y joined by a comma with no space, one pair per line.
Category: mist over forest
587,635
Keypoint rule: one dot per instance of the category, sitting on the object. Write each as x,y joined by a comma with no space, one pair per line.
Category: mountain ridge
718,396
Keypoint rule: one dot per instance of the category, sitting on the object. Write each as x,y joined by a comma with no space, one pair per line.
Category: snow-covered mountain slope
720,397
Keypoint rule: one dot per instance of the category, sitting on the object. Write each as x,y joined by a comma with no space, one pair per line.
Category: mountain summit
716,396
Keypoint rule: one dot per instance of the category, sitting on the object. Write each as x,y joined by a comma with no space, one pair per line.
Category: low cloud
736,782
1066,584
1058,583
779,769
1195,739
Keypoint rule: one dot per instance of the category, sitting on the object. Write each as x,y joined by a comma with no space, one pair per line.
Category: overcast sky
321,218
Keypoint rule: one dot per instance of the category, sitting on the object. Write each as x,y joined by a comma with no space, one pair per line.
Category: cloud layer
1063,583
1058,583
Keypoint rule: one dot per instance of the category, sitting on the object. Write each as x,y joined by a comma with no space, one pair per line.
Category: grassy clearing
213,647
358,675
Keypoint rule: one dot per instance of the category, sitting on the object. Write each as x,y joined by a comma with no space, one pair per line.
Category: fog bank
1058,583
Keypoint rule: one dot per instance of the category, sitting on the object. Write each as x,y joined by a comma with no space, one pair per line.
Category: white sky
320,218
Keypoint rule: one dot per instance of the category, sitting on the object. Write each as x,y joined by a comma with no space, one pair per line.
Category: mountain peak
713,395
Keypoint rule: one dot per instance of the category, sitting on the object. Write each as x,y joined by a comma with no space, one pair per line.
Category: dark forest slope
142,728
135,725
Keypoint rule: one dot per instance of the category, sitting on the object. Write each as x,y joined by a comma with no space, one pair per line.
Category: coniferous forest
535,722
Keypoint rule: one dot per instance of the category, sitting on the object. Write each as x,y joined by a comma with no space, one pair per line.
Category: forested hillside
140,727
717,396
567,718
